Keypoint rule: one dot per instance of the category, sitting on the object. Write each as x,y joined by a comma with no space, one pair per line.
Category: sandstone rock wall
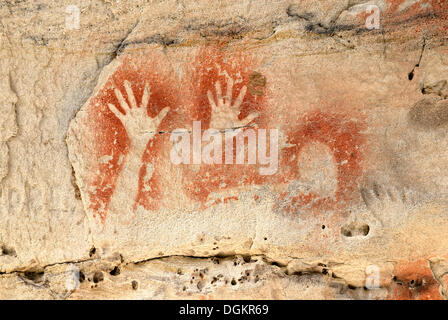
93,206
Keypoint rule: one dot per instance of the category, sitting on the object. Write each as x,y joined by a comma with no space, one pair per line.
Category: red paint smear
437,8
215,178
344,138
414,281
211,65
106,128
342,135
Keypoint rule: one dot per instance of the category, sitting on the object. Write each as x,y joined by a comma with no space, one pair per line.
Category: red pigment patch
110,139
219,177
346,142
437,9
414,281
421,7
111,143
211,65
214,64
341,135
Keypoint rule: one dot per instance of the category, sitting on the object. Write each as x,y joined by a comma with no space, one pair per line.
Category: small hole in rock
81,277
92,251
347,233
135,285
98,276
34,276
7,251
115,272
365,229
353,230
233,282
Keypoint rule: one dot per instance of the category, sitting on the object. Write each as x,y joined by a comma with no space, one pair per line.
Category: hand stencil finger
240,98
120,98
115,111
131,98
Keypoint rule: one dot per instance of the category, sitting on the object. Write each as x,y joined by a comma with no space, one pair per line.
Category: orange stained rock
414,280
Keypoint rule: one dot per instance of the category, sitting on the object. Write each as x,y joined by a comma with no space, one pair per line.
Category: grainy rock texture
95,110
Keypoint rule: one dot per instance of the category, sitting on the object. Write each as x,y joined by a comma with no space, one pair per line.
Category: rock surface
94,204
